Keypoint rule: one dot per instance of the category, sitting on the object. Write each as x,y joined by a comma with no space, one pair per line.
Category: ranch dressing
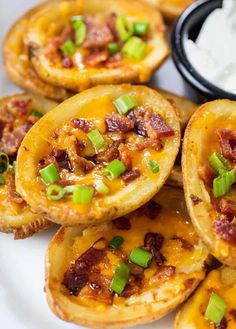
213,54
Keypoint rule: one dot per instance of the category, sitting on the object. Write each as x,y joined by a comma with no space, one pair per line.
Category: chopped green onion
2,180
124,28
83,194
14,166
114,169
153,166
4,162
125,103
116,242
55,192
218,163
113,48
68,48
75,20
120,278
134,48
96,138
101,187
49,174
141,28
36,113
215,309
80,33
222,184
140,257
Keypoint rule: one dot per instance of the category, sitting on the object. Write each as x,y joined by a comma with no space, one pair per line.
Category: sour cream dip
213,54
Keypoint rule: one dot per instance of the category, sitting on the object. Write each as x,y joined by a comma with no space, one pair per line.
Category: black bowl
188,27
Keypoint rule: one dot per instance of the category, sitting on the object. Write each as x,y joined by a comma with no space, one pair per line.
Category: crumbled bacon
133,286
225,230
164,272
228,208
161,129
114,61
222,325
227,139
21,105
62,159
100,288
13,196
109,154
233,313
52,49
137,116
111,24
47,161
195,199
125,156
85,165
151,209
148,142
122,223
82,124
206,174
153,243
184,243
130,175
96,58
119,123
67,32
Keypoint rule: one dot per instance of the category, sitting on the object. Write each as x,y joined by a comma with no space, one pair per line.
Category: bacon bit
153,243
2,126
223,324
77,276
130,175
184,243
109,154
119,123
62,159
122,223
21,105
227,139
114,61
137,116
85,165
161,128
52,51
13,196
151,209
206,174
100,288
225,230
136,270
189,282
148,142
6,116
164,272
125,156
233,313
111,24
67,62
67,32
96,58
195,199
133,286
47,161
228,208
82,124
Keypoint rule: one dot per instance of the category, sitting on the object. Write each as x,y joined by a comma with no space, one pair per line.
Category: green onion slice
114,169
124,28
49,174
36,113
101,187
55,192
141,28
215,309
83,194
120,278
14,166
125,103
4,162
75,20
140,257
218,163
153,166
2,180
96,139
113,48
134,48
116,242
68,48
80,34
223,183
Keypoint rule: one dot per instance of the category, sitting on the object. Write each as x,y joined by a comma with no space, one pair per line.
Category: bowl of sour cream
204,47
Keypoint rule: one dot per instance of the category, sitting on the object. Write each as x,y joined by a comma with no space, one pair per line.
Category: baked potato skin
17,219
191,315
195,133
130,197
130,72
67,309
17,63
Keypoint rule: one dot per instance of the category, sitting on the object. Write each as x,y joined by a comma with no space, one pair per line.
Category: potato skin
191,159
76,80
17,63
130,197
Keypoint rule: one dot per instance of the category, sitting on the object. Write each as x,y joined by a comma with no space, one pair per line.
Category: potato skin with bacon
124,198
131,71
17,217
200,141
187,266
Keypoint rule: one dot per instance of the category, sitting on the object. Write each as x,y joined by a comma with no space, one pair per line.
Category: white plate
22,300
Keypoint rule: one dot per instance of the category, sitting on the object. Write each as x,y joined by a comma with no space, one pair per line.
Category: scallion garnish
4,162
14,166
80,32
96,139
2,180
101,187
124,28
114,169
49,174
83,194
215,309
75,20
113,48
218,163
140,257
120,278
36,113
125,103
141,28
116,242
134,48
68,48
153,166
222,184
55,192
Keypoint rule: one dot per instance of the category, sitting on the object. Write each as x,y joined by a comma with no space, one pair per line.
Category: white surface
22,300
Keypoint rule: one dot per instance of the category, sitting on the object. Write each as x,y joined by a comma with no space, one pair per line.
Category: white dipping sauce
213,54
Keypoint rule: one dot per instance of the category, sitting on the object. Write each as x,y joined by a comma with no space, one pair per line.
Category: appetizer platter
117,181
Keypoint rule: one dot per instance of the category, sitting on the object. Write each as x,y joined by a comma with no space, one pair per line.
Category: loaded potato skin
116,161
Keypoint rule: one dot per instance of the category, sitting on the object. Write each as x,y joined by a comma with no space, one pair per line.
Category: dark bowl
188,27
